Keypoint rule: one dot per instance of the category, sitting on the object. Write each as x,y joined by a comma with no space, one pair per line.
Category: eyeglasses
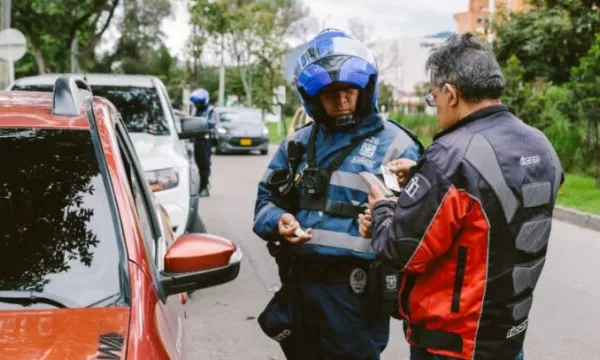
430,100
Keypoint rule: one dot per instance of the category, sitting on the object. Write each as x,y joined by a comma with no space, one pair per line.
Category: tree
51,27
141,45
549,39
586,88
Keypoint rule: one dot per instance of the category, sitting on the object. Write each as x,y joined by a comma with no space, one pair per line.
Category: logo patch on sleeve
417,187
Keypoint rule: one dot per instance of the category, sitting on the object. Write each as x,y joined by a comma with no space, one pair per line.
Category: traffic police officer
335,299
203,146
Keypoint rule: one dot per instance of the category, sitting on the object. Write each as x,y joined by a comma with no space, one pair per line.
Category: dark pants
202,153
420,354
334,323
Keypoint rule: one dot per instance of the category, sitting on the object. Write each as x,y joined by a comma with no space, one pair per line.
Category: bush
425,126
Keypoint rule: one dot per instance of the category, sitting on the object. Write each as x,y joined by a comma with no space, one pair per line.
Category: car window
240,117
57,230
142,204
140,107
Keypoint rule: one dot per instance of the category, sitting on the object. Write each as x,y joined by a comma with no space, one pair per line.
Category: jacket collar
366,124
479,114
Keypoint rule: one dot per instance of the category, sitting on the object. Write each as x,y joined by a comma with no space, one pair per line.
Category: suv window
140,195
57,228
140,107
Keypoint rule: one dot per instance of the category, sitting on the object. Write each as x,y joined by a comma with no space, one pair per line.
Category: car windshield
140,107
240,117
58,236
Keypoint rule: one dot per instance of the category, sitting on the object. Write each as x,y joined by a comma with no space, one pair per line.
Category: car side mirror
193,127
198,261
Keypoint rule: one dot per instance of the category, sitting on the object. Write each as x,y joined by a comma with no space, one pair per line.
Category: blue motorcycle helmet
334,56
200,97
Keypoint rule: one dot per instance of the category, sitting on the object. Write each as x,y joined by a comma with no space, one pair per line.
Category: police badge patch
358,280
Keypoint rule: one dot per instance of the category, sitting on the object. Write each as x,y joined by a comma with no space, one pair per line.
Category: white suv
144,105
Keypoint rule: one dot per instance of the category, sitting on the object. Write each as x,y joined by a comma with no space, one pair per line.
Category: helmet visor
335,46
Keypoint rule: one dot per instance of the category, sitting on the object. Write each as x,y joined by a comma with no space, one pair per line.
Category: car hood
244,129
155,152
150,145
64,333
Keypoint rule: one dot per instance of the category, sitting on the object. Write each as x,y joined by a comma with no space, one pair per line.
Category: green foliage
50,27
253,34
385,96
581,193
550,39
425,126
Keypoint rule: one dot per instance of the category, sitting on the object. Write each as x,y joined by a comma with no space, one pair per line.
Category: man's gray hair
469,65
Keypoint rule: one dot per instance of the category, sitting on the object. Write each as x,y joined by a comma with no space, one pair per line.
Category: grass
580,192
274,137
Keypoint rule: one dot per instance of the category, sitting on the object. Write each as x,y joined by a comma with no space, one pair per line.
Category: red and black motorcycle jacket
470,232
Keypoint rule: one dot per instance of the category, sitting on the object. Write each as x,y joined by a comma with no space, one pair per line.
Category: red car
89,267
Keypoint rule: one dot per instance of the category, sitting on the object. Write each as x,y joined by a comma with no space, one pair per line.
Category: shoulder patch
418,186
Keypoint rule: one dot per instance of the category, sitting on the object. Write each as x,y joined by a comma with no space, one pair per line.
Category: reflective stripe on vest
349,180
397,147
341,240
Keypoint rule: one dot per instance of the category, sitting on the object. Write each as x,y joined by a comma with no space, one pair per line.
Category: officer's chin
341,115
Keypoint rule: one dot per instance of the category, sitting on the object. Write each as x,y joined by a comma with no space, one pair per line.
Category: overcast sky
386,18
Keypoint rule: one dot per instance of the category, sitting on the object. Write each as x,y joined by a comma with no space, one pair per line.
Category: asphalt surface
221,321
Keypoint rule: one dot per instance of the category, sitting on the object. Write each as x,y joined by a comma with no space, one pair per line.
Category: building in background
401,64
476,18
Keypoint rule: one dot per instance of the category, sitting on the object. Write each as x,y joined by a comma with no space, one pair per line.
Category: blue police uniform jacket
209,113
334,235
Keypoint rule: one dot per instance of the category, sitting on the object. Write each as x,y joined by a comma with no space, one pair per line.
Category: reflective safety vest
335,219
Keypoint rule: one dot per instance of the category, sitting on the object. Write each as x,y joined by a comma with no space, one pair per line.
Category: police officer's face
339,100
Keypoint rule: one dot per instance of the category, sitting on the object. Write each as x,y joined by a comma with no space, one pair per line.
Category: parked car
240,130
167,160
89,265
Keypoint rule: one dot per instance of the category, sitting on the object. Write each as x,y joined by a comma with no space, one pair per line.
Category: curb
576,217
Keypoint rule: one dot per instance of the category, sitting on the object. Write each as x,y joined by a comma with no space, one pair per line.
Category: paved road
221,324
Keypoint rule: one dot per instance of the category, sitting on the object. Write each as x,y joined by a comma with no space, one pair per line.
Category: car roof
25,109
32,109
93,80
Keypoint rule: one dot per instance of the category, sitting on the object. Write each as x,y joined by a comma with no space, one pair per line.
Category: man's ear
453,95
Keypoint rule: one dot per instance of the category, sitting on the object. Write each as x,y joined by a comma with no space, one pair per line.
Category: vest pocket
461,261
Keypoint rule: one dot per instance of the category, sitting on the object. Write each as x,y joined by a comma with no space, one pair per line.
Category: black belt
336,208
304,271
435,339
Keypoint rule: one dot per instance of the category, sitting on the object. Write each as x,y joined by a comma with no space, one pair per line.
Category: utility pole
222,74
491,10
4,24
